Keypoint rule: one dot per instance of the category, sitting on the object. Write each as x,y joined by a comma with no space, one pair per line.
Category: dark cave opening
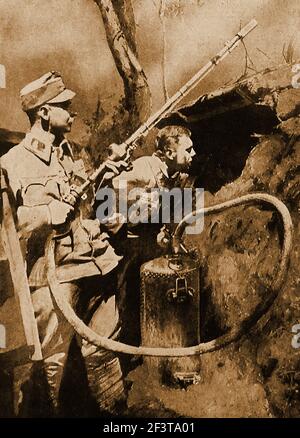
223,144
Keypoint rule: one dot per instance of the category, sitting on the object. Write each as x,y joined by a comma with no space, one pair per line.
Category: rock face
239,250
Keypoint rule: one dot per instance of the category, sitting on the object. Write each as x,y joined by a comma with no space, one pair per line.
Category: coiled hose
234,334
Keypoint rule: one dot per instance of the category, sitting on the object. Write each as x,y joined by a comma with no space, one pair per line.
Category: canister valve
181,293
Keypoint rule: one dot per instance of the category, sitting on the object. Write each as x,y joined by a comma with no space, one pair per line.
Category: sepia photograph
149,211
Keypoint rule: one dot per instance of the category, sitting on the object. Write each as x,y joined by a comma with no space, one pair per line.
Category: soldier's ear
170,154
43,112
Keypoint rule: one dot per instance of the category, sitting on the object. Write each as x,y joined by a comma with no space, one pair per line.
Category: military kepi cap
49,88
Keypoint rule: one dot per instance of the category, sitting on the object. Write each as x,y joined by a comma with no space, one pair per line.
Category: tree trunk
119,25
124,11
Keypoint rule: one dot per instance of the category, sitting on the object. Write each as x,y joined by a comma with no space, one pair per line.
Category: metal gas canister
170,314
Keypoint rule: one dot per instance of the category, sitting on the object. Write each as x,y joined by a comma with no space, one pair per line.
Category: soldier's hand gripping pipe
117,161
65,211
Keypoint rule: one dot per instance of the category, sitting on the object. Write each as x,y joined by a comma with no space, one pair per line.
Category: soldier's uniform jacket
150,172
39,173
147,173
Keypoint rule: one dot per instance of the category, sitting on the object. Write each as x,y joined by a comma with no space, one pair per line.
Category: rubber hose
235,333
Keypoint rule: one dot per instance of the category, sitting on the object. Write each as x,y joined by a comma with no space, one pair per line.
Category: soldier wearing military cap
41,171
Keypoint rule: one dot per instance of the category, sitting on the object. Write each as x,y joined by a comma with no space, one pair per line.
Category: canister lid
169,265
